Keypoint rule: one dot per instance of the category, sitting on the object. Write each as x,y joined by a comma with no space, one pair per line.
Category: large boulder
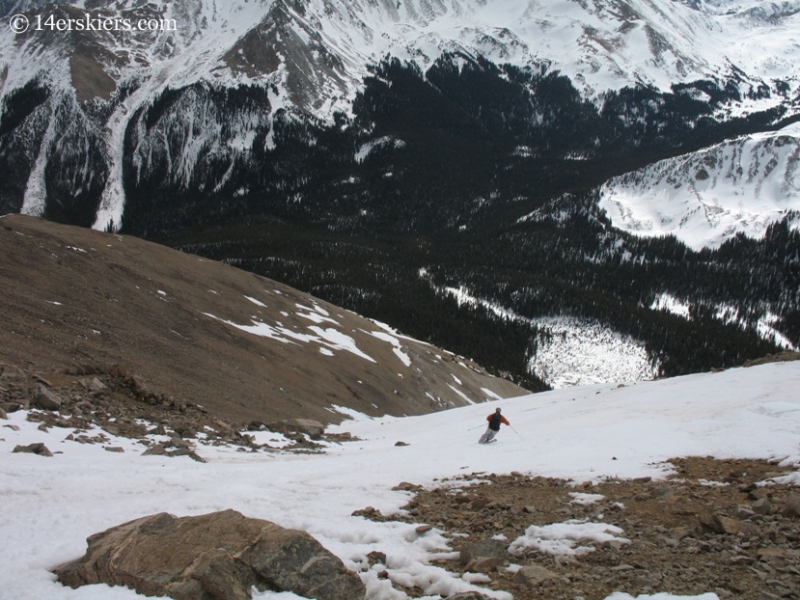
218,556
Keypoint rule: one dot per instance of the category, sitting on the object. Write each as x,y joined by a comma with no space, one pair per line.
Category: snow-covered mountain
313,57
706,197
444,118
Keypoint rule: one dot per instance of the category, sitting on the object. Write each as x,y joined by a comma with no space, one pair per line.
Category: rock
725,525
762,506
39,449
469,596
313,429
484,565
485,549
220,555
533,575
47,399
792,507
97,386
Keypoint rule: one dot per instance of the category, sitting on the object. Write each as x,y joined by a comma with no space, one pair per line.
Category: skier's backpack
494,422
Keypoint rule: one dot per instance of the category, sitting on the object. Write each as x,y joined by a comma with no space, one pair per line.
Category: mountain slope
707,197
313,57
593,476
346,147
245,348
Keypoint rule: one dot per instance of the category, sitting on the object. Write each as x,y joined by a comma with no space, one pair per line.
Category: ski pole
517,432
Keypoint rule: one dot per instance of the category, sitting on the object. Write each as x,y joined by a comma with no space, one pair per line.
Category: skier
494,426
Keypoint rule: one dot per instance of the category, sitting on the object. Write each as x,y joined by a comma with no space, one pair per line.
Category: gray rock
762,506
486,549
470,596
47,399
792,507
218,556
533,575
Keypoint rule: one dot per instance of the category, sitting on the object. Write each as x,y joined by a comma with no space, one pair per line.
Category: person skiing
494,426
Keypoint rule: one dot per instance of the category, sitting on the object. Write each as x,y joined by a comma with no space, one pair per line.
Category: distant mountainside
243,347
379,154
706,197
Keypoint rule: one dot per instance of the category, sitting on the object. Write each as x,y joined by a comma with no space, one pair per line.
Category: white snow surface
580,434
580,352
706,197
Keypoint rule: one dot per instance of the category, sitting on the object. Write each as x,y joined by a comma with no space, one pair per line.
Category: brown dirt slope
73,299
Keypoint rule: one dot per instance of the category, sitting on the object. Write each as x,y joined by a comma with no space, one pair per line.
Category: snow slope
582,434
706,197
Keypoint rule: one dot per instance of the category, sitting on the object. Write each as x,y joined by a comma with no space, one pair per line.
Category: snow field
580,434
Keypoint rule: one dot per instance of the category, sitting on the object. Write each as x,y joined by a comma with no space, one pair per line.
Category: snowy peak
707,197
320,49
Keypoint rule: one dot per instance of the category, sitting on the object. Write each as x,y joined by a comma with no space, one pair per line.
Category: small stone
762,506
792,507
534,575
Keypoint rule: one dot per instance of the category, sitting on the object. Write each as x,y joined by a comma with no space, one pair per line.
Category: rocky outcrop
722,526
109,398
218,556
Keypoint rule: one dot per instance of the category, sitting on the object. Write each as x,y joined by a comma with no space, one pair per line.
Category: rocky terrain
84,400
712,525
